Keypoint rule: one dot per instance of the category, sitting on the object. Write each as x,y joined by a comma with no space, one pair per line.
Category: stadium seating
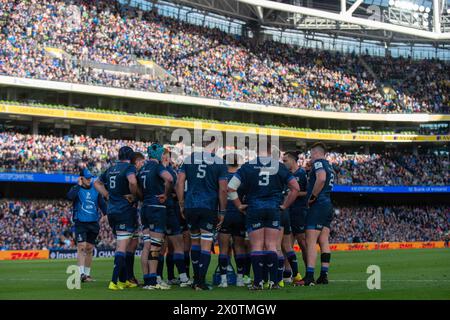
41,153
207,62
47,224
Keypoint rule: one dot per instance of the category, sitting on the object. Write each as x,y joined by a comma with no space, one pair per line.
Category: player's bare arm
100,187
294,189
179,189
223,197
321,177
133,185
168,185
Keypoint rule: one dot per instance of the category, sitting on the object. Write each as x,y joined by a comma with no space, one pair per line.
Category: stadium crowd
384,223
207,62
41,153
40,224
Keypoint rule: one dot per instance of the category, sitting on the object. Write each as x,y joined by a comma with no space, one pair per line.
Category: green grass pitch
405,274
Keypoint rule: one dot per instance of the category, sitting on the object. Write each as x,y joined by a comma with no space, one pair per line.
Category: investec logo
63,255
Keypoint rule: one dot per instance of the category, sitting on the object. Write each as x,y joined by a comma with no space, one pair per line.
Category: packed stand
47,224
41,153
399,223
207,62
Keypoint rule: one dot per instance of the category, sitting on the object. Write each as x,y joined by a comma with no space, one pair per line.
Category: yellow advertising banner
24,254
205,125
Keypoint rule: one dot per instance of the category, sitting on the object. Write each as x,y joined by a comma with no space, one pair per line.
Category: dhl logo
382,246
24,255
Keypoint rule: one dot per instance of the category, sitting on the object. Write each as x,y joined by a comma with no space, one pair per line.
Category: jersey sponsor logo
318,165
256,225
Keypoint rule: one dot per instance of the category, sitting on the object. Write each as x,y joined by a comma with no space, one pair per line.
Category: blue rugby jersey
86,203
203,173
321,164
263,183
115,179
151,182
302,179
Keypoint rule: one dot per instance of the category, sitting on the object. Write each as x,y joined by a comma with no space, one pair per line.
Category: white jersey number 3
263,178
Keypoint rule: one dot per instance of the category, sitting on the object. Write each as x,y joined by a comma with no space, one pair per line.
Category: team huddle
255,210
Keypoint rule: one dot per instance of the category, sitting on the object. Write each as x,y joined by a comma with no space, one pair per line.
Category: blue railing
69,178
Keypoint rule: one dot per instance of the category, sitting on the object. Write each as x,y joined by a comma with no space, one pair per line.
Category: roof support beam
259,13
436,17
352,9
349,19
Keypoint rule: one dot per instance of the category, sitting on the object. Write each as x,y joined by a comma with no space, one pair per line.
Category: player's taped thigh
123,235
195,236
325,257
155,249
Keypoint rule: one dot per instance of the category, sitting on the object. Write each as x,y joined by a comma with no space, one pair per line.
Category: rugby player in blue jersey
87,203
175,255
233,227
118,185
263,183
156,185
319,214
206,176
297,213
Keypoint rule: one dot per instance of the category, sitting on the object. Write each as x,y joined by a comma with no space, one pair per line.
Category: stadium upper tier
144,119
99,46
47,224
40,153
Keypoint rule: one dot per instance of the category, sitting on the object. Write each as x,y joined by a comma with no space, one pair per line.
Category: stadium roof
389,21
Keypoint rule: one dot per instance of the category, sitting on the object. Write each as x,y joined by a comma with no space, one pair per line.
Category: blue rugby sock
170,266
240,261
257,258
160,268
195,256
247,264
309,272
187,262
292,259
272,259
129,259
223,263
280,268
152,279
205,259
178,259
119,263
146,279
265,268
